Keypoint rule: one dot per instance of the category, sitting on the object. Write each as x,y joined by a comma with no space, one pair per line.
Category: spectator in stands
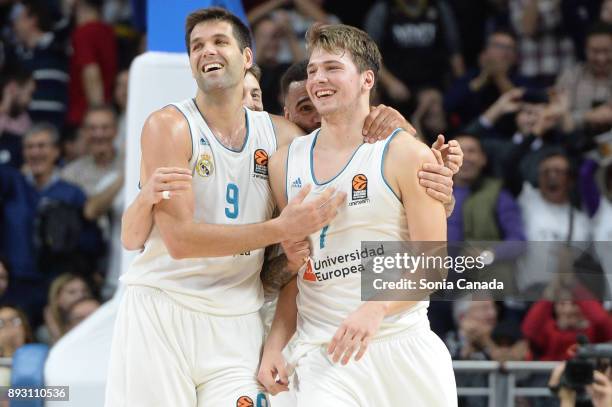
80,311
100,132
14,330
544,48
470,95
297,16
475,339
268,34
484,210
550,217
479,336
39,53
252,97
540,123
66,290
589,84
17,88
552,324
44,232
93,65
120,102
413,30
429,118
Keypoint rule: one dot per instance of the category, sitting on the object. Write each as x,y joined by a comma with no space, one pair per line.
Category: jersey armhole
273,131
287,172
382,162
190,131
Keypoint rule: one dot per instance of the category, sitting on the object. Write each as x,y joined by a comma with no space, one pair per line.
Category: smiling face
40,153
299,109
252,93
334,83
215,57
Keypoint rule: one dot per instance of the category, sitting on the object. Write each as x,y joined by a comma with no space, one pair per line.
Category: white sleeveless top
230,187
373,212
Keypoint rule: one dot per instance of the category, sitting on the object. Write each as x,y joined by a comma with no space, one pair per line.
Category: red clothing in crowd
92,43
551,343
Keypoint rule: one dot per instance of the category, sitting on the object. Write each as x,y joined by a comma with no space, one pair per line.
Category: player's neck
223,111
343,129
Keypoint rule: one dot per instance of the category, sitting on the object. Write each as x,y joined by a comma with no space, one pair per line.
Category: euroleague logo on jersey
260,163
359,188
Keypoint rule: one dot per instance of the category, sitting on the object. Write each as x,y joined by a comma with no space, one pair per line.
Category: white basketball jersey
330,284
230,187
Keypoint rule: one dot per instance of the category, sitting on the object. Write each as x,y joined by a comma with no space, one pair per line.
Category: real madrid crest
205,166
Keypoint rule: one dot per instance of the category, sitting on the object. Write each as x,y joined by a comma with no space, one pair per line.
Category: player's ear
286,112
368,79
248,57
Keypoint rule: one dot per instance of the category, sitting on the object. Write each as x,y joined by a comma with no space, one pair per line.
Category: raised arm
165,142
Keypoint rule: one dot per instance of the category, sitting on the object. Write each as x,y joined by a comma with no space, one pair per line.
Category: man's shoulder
407,147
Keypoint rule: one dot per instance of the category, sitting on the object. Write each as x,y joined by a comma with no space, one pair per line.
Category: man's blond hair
339,37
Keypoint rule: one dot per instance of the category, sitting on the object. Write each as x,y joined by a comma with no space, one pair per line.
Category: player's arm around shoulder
285,130
425,215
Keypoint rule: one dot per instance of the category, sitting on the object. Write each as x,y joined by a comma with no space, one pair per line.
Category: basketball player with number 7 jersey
350,352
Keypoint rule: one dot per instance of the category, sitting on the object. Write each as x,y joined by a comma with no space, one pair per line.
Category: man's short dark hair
240,30
44,127
599,28
295,73
255,70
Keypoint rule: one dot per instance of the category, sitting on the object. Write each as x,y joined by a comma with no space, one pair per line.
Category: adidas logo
297,183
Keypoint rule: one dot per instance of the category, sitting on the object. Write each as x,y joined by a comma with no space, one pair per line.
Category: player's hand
171,179
452,154
356,332
300,218
601,390
437,179
381,122
273,372
297,253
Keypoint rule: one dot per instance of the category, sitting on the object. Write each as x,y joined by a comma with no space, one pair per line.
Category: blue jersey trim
382,161
246,138
312,175
287,172
274,131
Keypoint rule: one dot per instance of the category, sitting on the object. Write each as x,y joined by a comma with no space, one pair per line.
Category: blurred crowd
525,86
